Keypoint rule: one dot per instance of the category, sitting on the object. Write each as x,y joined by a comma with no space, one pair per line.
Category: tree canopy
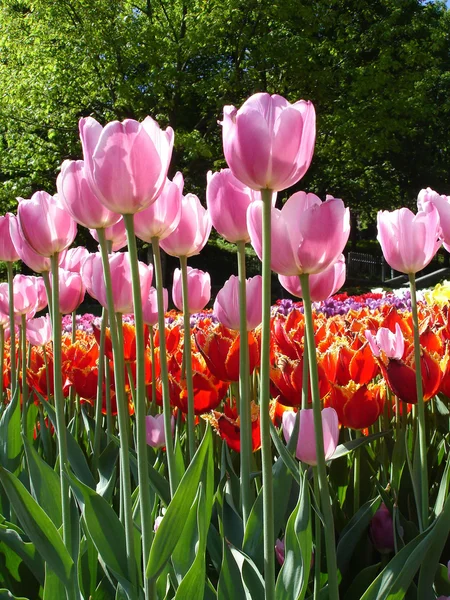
376,70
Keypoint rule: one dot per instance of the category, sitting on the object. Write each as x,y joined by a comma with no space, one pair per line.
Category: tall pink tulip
44,214
92,263
39,331
150,306
391,344
308,235
79,200
154,427
71,291
32,259
269,143
322,285
306,445
42,300
74,259
116,234
409,241
121,281
161,218
8,252
199,289
227,200
226,304
25,296
126,163
193,229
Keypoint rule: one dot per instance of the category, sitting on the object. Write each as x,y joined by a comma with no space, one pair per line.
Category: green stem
23,342
420,406
356,475
325,500
59,401
305,375
164,368
244,390
99,397
48,289
152,358
122,413
12,328
187,352
317,538
74,327
141,397
110,428
264,402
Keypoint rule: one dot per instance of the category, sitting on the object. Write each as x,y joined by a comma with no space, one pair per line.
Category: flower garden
245,451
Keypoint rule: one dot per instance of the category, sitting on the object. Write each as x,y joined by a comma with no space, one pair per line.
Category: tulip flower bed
249,451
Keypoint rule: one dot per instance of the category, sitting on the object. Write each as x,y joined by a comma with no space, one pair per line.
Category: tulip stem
122,412
23,342
171,467
2,358
325,501
100,388
244,390
152,356
60,402
420,407
141,405
305,374
187,356
48,289
12,329
317,538
356,475
264,402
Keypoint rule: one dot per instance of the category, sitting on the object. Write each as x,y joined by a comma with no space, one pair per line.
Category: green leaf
75,455
361,582
45,484
6,595
10,436
430,562
104,528
53,587
347,447
443,490
290,462
251,577
393,582
107,471
26,551
230,585
292,582
172,525
39,527
193,584
441,581
352,532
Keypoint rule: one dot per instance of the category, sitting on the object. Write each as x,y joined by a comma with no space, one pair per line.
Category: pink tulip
308,235
74,259
116,234
150,307
42,300
161,218
87,271
126,163
199,289
79,200
121,281
192,231
306,445
71,291
269,143
32,259
226,305
25,296
39,331
392,344
227,200
442,205
279,551
409,241
8,252
154,427
322,285
45,224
